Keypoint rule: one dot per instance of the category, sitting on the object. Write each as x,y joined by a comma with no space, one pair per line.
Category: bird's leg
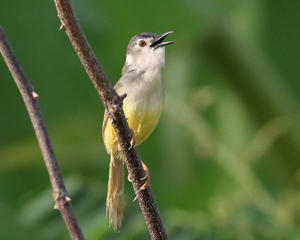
146,177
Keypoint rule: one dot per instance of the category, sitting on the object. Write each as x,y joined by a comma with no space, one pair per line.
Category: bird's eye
142,43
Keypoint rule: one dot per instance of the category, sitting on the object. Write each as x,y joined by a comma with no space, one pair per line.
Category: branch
29,97
113,104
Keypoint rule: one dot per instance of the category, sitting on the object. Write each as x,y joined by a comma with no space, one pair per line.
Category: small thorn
56,207
34,95
134,199
62,26
122,97
68,199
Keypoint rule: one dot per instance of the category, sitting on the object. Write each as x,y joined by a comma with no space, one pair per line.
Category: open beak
158,41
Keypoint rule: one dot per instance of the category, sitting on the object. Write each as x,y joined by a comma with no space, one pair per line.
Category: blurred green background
224,158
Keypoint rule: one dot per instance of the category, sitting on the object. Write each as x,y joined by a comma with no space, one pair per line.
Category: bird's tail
114,200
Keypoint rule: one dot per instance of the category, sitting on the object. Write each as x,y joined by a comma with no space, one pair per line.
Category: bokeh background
224,158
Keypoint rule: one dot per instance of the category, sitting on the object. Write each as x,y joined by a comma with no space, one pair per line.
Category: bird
141,82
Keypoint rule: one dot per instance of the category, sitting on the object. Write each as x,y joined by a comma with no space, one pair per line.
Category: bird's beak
158,41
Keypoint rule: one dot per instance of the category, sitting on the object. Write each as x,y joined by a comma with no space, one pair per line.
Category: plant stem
30,99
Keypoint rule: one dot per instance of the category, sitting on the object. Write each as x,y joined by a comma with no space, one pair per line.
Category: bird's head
146,50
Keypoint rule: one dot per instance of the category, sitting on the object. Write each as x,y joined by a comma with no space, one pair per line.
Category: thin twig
29,97
113,105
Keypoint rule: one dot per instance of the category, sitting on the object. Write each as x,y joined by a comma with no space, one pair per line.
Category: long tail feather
114,200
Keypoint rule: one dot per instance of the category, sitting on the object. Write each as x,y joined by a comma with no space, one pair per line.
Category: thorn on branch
34,95
62,26
122,97
61,196
56,207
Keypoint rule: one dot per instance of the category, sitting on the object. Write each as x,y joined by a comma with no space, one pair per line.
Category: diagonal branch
29,97
113,104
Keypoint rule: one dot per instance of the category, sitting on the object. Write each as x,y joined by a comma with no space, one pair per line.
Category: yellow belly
142,120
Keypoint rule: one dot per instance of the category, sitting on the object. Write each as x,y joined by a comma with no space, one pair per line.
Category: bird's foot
146,178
